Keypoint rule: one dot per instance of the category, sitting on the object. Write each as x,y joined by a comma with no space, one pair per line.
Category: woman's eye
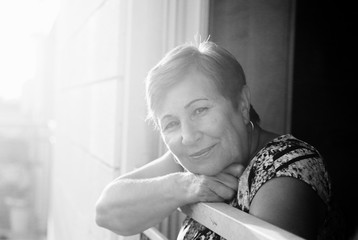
171,125
200,110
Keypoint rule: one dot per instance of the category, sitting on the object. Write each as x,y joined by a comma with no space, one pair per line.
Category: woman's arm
142,198
290,204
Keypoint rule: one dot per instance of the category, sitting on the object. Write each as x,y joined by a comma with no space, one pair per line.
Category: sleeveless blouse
284,156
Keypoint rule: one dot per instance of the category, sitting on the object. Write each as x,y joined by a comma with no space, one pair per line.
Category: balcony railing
230,223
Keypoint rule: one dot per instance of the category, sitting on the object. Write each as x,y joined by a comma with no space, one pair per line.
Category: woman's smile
205,152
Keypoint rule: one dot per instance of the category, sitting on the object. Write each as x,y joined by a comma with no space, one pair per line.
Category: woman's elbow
101,215
106,218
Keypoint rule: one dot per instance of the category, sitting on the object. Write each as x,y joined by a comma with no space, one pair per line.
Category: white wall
89,55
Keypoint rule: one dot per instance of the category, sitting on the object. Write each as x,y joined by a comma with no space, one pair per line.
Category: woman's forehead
194,88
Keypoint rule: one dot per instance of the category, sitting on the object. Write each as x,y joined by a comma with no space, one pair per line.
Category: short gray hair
208,58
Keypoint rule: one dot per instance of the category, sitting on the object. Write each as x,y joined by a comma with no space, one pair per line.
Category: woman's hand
218,188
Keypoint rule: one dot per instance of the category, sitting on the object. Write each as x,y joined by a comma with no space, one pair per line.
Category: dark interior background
323,84
323,93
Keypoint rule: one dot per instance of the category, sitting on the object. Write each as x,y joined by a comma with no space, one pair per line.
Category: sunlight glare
22,22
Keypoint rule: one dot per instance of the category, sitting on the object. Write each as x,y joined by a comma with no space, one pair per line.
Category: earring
252,126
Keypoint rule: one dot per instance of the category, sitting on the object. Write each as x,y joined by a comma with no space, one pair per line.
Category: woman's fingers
235,170
209,189
221,187
228,180
230,175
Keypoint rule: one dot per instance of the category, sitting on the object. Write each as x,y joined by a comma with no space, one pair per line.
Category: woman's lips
202,153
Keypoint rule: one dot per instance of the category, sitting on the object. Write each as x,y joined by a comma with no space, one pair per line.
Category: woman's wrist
181,187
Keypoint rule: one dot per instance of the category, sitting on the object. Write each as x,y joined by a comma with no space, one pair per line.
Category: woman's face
201,128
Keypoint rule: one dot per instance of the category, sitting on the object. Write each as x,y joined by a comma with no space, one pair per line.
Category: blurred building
24,174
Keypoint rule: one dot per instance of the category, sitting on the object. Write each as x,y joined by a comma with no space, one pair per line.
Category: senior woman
198,99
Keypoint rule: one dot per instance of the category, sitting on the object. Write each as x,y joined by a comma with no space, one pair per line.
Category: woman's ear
245,103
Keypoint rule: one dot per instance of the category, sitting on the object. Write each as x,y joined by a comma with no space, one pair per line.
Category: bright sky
20,22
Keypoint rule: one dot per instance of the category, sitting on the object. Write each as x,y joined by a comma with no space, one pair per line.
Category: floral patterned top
283,156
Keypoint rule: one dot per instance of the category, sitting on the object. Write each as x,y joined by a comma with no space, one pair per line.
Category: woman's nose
190,133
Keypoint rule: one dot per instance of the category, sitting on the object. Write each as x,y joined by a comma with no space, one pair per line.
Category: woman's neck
259,139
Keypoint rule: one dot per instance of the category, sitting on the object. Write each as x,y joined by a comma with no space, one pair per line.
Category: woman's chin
207,171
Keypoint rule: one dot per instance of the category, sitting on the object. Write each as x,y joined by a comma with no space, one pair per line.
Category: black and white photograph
178,120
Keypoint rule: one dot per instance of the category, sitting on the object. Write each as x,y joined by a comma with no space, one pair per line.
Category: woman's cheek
171,141
168,139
